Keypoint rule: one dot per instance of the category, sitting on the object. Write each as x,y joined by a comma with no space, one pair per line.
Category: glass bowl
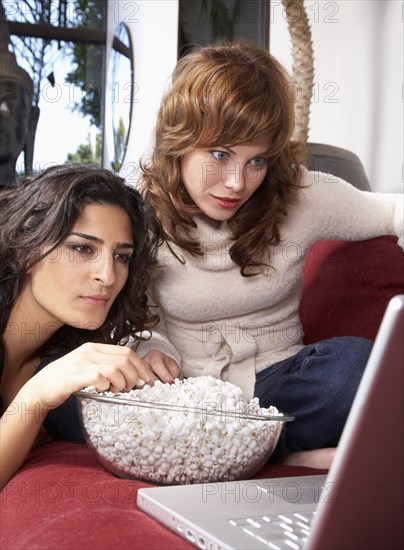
173,444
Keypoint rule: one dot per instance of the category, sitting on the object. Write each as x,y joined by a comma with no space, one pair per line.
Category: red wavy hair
226,94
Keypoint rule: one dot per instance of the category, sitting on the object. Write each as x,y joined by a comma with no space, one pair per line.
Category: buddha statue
18,116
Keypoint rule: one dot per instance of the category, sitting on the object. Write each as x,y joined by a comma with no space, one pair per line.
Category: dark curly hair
43,210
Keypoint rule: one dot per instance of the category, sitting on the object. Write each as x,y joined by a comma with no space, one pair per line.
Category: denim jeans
317,387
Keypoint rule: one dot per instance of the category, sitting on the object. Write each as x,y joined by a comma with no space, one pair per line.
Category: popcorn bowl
172,443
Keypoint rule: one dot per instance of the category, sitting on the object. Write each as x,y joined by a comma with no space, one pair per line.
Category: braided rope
303,64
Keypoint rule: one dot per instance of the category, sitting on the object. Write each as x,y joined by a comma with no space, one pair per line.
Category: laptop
358,505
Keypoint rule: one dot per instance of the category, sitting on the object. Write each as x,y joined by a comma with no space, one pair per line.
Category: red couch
62,498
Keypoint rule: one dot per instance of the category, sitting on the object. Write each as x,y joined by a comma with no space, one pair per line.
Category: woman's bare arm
101,365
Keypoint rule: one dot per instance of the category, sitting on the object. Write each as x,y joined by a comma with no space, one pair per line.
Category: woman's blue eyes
220,155
257,162
87,250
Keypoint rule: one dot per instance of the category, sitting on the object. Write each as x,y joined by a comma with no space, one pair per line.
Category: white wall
357,105
153,25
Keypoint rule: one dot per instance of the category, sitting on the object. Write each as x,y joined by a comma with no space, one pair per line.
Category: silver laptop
358,505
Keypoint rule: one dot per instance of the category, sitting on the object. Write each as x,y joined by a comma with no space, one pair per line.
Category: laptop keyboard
277,532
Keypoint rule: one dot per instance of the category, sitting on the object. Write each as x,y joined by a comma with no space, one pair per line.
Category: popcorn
193,431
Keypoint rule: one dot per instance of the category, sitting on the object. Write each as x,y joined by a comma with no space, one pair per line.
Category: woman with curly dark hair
77,247
240,212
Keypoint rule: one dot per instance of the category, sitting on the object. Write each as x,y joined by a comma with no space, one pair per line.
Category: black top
1,371
62,422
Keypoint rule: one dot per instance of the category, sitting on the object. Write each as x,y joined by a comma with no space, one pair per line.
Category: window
202,22
61,45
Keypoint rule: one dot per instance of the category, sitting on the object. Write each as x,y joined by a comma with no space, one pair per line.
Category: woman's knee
344,356
328,385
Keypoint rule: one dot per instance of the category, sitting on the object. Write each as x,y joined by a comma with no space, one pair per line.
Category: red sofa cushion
63,499
347,285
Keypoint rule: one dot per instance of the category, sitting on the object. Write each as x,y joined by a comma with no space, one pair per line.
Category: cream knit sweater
214,321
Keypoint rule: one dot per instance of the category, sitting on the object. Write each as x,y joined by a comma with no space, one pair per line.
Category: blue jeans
317,387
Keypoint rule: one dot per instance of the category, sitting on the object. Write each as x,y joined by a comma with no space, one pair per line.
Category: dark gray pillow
339,162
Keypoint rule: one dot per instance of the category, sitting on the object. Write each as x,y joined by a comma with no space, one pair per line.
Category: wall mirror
119,96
